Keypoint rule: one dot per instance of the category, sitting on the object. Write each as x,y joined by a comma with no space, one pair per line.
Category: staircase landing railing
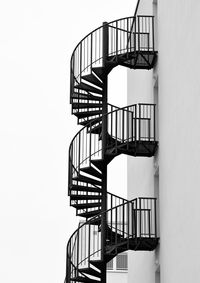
130,34
132,220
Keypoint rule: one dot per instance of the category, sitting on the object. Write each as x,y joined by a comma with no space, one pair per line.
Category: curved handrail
128,34
96,30
112,199
97,119
93,121
137,122
84,135
95,217
134,215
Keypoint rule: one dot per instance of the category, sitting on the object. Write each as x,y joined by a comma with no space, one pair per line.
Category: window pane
122,263
110,265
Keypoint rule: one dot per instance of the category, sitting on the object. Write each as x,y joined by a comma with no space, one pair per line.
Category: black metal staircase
113,224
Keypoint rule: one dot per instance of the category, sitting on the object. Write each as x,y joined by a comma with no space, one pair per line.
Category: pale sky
36,41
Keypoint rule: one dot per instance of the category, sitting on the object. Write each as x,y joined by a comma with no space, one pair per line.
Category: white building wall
179,147
140,176
116,277
141,169
179,87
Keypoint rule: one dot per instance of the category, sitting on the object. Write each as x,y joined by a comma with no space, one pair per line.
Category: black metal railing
130,34
131,220
113,224
125,126
112,200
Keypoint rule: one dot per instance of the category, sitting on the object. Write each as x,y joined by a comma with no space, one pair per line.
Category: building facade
173,174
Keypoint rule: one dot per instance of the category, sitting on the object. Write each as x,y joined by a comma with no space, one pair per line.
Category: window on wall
157,276
110,265
119,263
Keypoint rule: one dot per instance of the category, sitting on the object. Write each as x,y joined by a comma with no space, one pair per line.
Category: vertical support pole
138,33
154,121
139,121
104,144
155,211
89,240
91,52
140,212
71,77
135,117
153,32
136,217
68,265
77,251
149,222
127,129
135,34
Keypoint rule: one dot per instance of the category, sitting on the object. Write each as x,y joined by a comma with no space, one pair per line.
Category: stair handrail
90,60
99,215
97,29
89,124
91,220
111,200
96,119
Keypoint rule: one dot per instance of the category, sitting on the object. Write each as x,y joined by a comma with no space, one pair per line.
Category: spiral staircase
111,224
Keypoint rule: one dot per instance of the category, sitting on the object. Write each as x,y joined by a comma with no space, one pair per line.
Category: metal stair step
85,197
92,79
87,113
84,279
97,263
93,121
92,171
99,71
95,129
82,105
100,263
78,188
96,221
88,88
86,205
90,214
90,271
118,249
85,179
98,163
85,96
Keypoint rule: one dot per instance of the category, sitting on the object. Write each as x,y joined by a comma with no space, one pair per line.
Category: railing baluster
116,38
116,126
89,238
128,224
127,117
140,216
138,33
91,52
155,212
123,126
154,122
116,218
149,131
152,33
